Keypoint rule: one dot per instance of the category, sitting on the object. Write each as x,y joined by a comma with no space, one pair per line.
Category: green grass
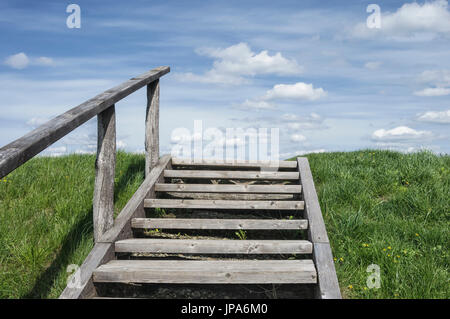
371,200
389,209
46,220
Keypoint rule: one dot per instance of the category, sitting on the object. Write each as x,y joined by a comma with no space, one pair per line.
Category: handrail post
152,127
105,166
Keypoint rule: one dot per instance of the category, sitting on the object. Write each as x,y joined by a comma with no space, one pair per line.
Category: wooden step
230,196
212,246
191,223
208,271
204,174
231,164
225,188
223,204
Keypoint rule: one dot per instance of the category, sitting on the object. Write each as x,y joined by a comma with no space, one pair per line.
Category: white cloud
294,122
400,133
298,138
430,16
233,65
439,79
257,105
303,152
121,144
406,147
83,152
433,92
289,117
372,65
436,77
297,91
55,151
435,117
300,153
21,61
43,60
420,21
36,121
18,61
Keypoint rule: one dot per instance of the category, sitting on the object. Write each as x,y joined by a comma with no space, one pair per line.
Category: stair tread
235,164
223,204
207,271
213,246
226,188
202,223
211,174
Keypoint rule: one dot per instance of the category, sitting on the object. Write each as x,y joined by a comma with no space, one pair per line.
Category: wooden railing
21,150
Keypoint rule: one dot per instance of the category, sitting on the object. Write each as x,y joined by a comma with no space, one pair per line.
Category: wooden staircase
236,198
245,199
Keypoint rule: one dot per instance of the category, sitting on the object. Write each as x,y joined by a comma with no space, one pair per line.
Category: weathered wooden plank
152,126
208,271
225,188
212,246
231,164
230,196
222,204
328,285
201,223
21,150
204,174
135,206
317,230
82,287
105,166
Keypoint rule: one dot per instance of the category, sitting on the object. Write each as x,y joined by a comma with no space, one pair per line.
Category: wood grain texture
135,206
231,164
223,204
100,254
230,196
201,223
328,285
225,188
208,271
152,126
105,166
204,174
21,150
313,213
212,246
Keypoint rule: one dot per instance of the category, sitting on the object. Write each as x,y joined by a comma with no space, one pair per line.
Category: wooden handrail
21,150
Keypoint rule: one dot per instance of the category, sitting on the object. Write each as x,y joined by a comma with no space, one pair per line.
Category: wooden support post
152,127
105,166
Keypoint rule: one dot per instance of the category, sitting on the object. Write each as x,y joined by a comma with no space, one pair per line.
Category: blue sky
313,69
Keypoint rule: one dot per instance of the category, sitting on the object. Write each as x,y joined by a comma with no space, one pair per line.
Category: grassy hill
380,207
